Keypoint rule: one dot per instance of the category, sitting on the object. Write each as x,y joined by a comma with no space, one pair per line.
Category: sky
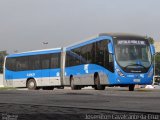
26,24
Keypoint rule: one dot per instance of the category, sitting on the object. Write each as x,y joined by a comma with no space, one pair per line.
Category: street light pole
45,43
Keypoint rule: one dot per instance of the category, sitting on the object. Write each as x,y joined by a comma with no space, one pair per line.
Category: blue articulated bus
110,60
106,60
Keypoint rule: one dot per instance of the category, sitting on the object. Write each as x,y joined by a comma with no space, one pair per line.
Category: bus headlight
150,73
120,73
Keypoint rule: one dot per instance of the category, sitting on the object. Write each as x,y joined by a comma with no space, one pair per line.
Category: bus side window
70,59
10,64
21,63
89,53
55,60
84,54
34,62
45,61
102,54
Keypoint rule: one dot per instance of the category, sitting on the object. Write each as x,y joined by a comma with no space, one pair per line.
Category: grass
7,88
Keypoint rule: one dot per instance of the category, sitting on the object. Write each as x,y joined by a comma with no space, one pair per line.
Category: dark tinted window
87,53
55,60
81,55
72,59
11,64
76,55
101,53
45,61
34,62
21,63
17,63
95,53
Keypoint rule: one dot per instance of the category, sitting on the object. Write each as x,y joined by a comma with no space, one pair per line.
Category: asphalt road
80,104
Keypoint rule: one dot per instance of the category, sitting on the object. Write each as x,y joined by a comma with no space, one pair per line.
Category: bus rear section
34,70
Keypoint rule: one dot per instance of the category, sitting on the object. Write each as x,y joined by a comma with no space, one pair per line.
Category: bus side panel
19,79
50,77
8,78
103,78
84,74
12,81
55,77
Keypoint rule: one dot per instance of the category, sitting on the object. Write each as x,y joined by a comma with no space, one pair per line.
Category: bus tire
131,87
73,87
98,86
31,84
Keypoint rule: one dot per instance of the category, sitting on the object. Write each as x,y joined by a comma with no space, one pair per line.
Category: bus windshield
133,54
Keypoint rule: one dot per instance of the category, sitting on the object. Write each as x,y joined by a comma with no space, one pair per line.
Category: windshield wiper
135,65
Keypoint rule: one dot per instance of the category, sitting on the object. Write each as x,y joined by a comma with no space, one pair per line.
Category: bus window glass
102,57
34,62
45,61
55,60
76,56
84,55
10,64
21,63
133,54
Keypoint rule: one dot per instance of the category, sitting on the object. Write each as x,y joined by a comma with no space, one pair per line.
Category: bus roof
36,52
123,35
87,41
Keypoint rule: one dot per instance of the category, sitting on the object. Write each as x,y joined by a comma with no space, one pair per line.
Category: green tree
151,40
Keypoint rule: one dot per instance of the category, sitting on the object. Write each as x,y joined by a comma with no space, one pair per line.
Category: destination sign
131,42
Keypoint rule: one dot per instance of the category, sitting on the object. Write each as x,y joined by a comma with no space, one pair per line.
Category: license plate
137,80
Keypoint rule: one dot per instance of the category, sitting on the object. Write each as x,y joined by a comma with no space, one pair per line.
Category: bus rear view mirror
152,49
110,48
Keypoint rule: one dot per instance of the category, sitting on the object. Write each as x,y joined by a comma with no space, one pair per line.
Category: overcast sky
26,24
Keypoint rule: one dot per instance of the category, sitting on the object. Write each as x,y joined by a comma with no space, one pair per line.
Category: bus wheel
31,84
73,87
131,87
98,86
